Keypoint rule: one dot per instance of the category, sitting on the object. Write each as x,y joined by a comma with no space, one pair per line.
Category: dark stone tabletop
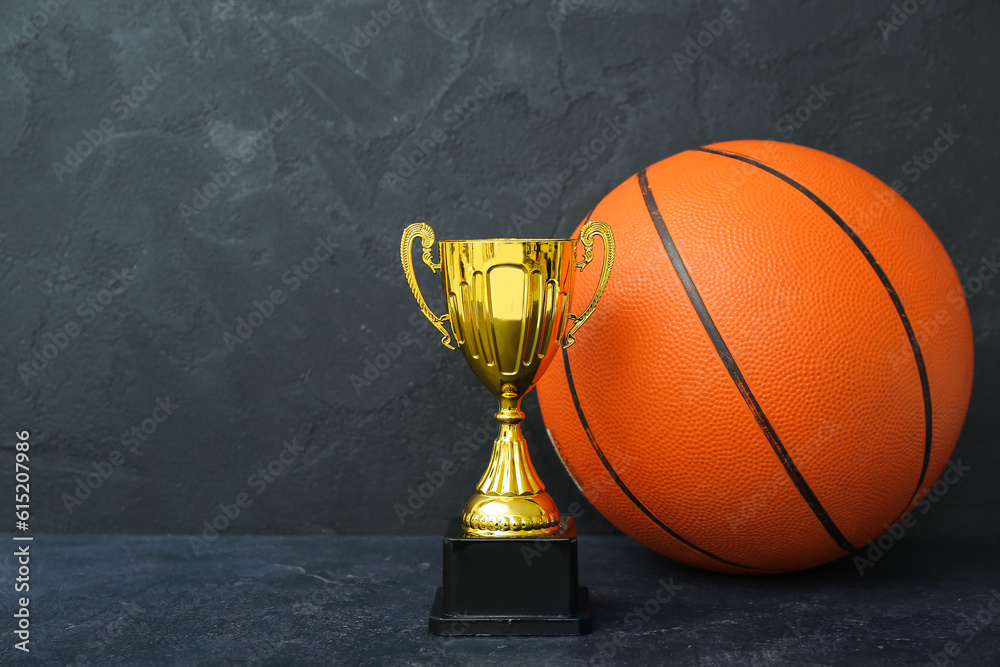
321,600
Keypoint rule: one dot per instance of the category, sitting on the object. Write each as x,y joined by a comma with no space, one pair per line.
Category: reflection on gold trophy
508,305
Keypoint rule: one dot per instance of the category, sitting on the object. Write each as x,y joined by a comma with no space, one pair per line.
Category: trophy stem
510,499
510,469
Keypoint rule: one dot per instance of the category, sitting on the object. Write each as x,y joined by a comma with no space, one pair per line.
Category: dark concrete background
190,273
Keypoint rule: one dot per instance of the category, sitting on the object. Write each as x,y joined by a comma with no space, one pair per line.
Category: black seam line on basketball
628,492
736,374
886,283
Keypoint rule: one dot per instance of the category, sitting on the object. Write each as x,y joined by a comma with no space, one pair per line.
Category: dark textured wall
137,261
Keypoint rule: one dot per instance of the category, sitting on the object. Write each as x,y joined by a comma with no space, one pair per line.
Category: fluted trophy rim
509,240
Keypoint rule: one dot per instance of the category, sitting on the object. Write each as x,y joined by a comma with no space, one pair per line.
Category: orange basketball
780,365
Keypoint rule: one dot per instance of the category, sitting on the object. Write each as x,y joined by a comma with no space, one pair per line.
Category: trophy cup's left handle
424,232
591,229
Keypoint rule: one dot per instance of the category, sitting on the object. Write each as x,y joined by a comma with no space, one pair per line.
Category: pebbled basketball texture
779,368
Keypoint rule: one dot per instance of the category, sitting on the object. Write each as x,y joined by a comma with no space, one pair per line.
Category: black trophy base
510,586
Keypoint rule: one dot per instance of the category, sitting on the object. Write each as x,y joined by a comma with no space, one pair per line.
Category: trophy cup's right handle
590,229
424,232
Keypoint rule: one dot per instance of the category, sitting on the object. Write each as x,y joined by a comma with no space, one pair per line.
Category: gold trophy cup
508,307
